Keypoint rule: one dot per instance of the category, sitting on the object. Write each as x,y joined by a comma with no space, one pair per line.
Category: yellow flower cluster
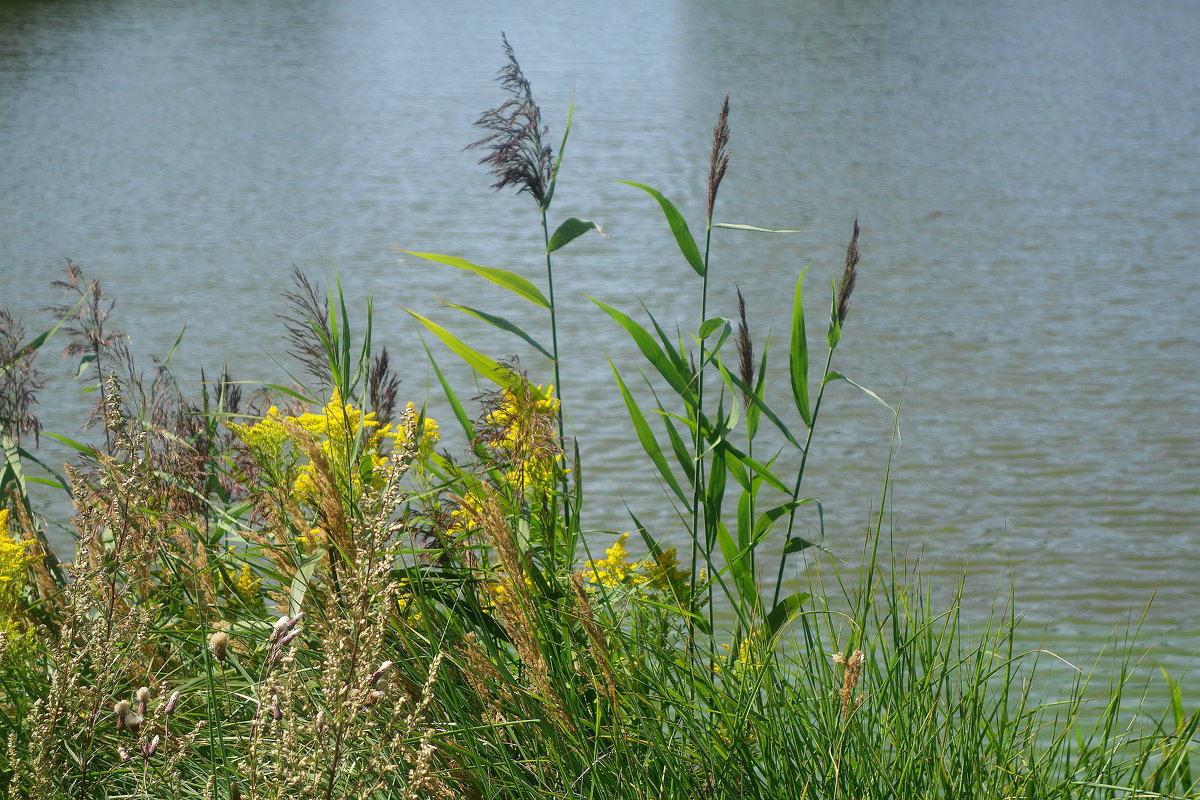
615,569
336,431
421,442
656,574
525,425
266,438
14,561
248,587
350,440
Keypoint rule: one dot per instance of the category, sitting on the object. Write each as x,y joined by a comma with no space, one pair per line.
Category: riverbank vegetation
301,592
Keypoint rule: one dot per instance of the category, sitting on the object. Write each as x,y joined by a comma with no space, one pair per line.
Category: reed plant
299,592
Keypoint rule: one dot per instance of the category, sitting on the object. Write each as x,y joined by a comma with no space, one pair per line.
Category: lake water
1026,174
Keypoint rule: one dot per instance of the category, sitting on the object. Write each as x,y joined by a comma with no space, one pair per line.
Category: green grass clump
300,593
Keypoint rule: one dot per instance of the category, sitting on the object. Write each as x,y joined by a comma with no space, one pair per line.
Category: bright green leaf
570,230
798,355
679,227
518,284
502,324
485,366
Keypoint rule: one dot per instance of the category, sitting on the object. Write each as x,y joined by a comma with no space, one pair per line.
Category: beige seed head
121,709
218,645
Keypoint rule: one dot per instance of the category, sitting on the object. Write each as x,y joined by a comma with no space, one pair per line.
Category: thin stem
709,524
562,439
800,477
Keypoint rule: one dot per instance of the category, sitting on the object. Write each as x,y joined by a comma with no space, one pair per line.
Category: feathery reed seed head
720,155
745,346
516,154
851,670
849,276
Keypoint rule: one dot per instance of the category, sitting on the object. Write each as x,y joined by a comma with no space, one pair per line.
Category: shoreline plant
299,593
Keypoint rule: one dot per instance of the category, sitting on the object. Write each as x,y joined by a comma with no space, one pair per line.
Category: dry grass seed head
851,671
849,277
719,161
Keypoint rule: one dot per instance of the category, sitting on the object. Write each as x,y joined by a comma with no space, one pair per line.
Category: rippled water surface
1026,174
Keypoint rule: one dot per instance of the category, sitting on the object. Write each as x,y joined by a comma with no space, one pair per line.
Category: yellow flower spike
266,438
615,569
248,586
407,436
15,559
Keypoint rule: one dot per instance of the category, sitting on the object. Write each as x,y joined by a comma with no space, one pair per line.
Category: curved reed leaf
651,350
517,284
647,439
502,324
487,367
679,227
798,355
570,230
733,226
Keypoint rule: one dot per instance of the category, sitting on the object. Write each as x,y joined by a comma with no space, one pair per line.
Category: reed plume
849,276
19,382
516,154
720,155
307,324
745,347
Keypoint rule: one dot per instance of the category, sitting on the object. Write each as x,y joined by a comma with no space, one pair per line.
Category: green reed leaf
798,355
736,227
679,227
755,410
834,335
762,470
84,362
651,350
672,349
570,230
767,518
487,367
680,449
758,404
784,611
460,413
738,566
86,449
647,438
289,391
834,375
716,323
517,284
502,324
740,474
745,522
715,497
562,148
57,481
796,544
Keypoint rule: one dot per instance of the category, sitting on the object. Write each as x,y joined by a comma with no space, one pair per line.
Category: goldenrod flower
15,559
349,439
615,569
